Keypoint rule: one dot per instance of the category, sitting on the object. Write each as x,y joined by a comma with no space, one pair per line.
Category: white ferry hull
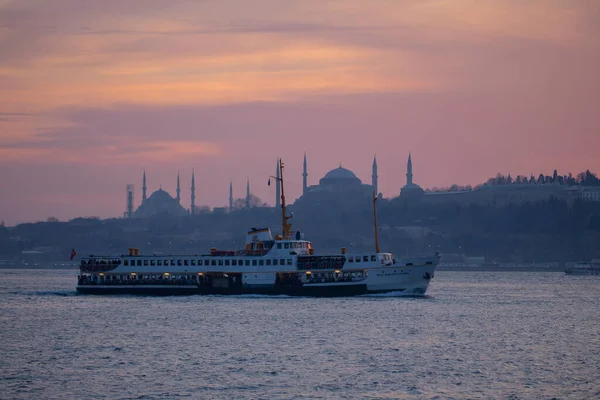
412,281
582,271
592,268
402,280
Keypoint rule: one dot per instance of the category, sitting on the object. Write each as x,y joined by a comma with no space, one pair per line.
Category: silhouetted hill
542,231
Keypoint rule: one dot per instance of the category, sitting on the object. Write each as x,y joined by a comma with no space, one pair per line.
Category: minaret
178,189
277,187
374,176
248,194
230,196
409,174
193,199
304,176
144,188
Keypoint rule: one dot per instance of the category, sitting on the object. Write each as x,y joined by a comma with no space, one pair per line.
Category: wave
62,293
398,294
252,296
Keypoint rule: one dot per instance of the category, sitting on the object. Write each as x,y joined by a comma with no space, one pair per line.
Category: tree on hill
541,179
255,201
588,178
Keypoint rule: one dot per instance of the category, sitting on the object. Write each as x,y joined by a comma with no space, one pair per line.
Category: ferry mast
286,227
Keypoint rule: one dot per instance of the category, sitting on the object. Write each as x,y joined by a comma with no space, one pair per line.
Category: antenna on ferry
375,221
286,227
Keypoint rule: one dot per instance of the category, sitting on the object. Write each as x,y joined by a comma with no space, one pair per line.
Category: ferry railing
291,235
93,265
258,252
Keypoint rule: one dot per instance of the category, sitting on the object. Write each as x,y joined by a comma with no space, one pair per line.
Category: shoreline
440,268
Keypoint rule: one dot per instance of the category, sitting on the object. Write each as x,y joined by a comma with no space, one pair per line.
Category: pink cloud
94,92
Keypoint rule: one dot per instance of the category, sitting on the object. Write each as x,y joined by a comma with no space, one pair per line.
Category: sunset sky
94,92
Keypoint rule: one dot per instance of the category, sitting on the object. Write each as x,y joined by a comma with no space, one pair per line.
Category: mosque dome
411,188
340,173
160,203
338,176
160,196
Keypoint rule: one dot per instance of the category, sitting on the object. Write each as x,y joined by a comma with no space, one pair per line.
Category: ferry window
233,262
357,259
159,263
365,258
206,262
179,262
145,263
275,262
286,245
282,262
173,262
213,262
152,263
193,262
247,263
226,262
279,246
126,262
373,258
220,262
289,261
253,262
268,262
350,259
261,262
186,262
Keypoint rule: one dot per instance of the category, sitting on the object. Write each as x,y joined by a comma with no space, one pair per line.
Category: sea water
476,335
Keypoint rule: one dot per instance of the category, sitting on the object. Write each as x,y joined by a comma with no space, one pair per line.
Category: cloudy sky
94,92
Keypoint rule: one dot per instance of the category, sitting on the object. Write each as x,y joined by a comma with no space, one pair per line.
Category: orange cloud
232,82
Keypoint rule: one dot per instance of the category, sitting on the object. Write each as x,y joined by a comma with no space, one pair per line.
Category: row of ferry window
294,245
364,258
212,262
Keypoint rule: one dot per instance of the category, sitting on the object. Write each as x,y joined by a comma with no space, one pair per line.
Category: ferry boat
270,265
592,268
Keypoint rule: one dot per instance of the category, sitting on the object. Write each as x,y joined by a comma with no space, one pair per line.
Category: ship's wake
398,293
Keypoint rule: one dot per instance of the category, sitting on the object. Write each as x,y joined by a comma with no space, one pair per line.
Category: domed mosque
342,181
161,203
338,181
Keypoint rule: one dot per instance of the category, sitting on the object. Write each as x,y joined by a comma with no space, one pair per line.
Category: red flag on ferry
73,254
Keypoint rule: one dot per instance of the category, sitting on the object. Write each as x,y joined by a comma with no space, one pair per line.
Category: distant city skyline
93,93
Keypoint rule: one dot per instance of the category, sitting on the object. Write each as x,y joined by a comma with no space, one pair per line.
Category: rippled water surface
477,335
